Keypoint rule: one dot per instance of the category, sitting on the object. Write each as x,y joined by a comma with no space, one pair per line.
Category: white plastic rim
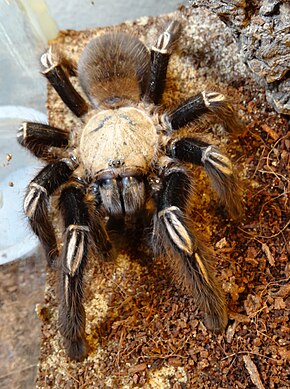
18,112
16,239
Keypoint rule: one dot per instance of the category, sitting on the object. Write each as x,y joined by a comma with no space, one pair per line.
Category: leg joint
217,159
76,248
33,198
176,230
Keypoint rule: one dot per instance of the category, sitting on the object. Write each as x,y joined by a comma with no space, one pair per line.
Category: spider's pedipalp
205,103
39,137
101,243
58,78
189,261
36,203
217,165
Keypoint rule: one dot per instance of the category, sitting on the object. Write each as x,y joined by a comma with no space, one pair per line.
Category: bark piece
262,31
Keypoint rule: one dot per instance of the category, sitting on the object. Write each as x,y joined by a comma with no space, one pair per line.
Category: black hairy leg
205,103
217,165
36,204
160,54
190,262
39,137
59,79
72,317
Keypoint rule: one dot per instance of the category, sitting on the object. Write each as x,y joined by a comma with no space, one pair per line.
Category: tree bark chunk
262,31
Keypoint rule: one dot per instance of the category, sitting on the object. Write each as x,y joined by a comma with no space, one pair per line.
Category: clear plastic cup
17,168
22,270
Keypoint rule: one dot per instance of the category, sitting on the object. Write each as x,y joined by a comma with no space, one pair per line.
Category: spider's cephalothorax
128,155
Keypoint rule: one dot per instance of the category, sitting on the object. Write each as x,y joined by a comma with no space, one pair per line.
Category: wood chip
137,368
135,379
270,131
279,303
284,353
231,332
221,243
268,253
253,371
284,291
176,362
239,317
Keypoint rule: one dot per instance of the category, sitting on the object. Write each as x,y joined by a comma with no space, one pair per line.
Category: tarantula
127,164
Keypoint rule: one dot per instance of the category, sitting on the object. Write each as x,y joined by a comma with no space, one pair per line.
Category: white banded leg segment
213,105
217,160
32,199
168,38
46,60
212,98
222,109
76,247
22,133
191,266
220,171
180,237
58,77
160,54
176,230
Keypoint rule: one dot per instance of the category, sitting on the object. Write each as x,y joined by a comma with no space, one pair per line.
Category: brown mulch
21,289
142,330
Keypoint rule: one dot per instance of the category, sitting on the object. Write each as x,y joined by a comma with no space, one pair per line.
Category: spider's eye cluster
116,162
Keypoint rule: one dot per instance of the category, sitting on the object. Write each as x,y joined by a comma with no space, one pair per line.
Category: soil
21,289
143,331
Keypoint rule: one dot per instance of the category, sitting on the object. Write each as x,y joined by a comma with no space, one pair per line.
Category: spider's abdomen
113,69
118,139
